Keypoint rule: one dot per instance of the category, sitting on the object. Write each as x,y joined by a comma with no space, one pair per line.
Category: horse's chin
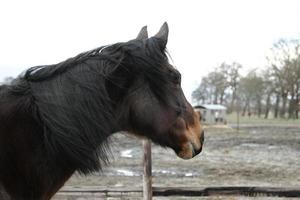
188,151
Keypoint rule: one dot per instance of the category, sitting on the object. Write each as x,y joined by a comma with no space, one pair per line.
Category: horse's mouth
190,149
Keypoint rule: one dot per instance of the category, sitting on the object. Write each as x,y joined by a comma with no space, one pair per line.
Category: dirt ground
254,156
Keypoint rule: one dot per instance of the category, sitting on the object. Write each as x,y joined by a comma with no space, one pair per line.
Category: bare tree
251,92
233,77
284,63
202,93
269,89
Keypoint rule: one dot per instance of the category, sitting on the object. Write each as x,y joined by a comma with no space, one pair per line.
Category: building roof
211,107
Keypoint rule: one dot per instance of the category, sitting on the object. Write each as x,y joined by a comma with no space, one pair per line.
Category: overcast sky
203,34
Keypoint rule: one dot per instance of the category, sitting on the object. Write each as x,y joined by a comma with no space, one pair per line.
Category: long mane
71,102
73,107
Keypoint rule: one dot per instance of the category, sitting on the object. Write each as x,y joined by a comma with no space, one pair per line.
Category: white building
212,113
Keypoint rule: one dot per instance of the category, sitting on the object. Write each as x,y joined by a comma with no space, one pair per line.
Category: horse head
150,101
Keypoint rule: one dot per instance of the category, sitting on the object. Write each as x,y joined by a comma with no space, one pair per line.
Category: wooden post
238,120
238,114
147,177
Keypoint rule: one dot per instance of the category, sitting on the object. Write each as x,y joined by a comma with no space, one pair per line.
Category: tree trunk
291,108
222,97
283,108
245,108
268,103
215,98
258,107
297,107
276,108
297,102
232,101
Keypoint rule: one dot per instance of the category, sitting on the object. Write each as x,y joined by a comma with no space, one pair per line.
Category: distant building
212,113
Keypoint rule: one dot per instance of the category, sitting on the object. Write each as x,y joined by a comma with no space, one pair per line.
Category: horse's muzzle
197,151
191,149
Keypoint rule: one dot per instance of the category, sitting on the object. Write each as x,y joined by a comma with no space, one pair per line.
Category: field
256,155
233,118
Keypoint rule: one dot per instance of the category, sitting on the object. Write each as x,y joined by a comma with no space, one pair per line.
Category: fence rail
184,191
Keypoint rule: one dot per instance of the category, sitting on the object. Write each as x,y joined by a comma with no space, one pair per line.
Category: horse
57,119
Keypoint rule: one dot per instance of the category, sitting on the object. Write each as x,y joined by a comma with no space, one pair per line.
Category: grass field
233,118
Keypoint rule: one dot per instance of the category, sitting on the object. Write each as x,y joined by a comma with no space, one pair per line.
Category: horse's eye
177,78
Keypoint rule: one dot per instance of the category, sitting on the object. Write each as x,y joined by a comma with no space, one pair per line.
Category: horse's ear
143,34
162,35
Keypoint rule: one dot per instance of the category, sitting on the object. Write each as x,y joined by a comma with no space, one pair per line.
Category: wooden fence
182,191
148,191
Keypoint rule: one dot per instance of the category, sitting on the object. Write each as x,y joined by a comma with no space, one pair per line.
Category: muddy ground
254,156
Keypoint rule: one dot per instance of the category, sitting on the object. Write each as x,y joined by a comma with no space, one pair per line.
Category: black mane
73,101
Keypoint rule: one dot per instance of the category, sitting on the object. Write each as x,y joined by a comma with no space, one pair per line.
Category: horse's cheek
163,121
150,118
